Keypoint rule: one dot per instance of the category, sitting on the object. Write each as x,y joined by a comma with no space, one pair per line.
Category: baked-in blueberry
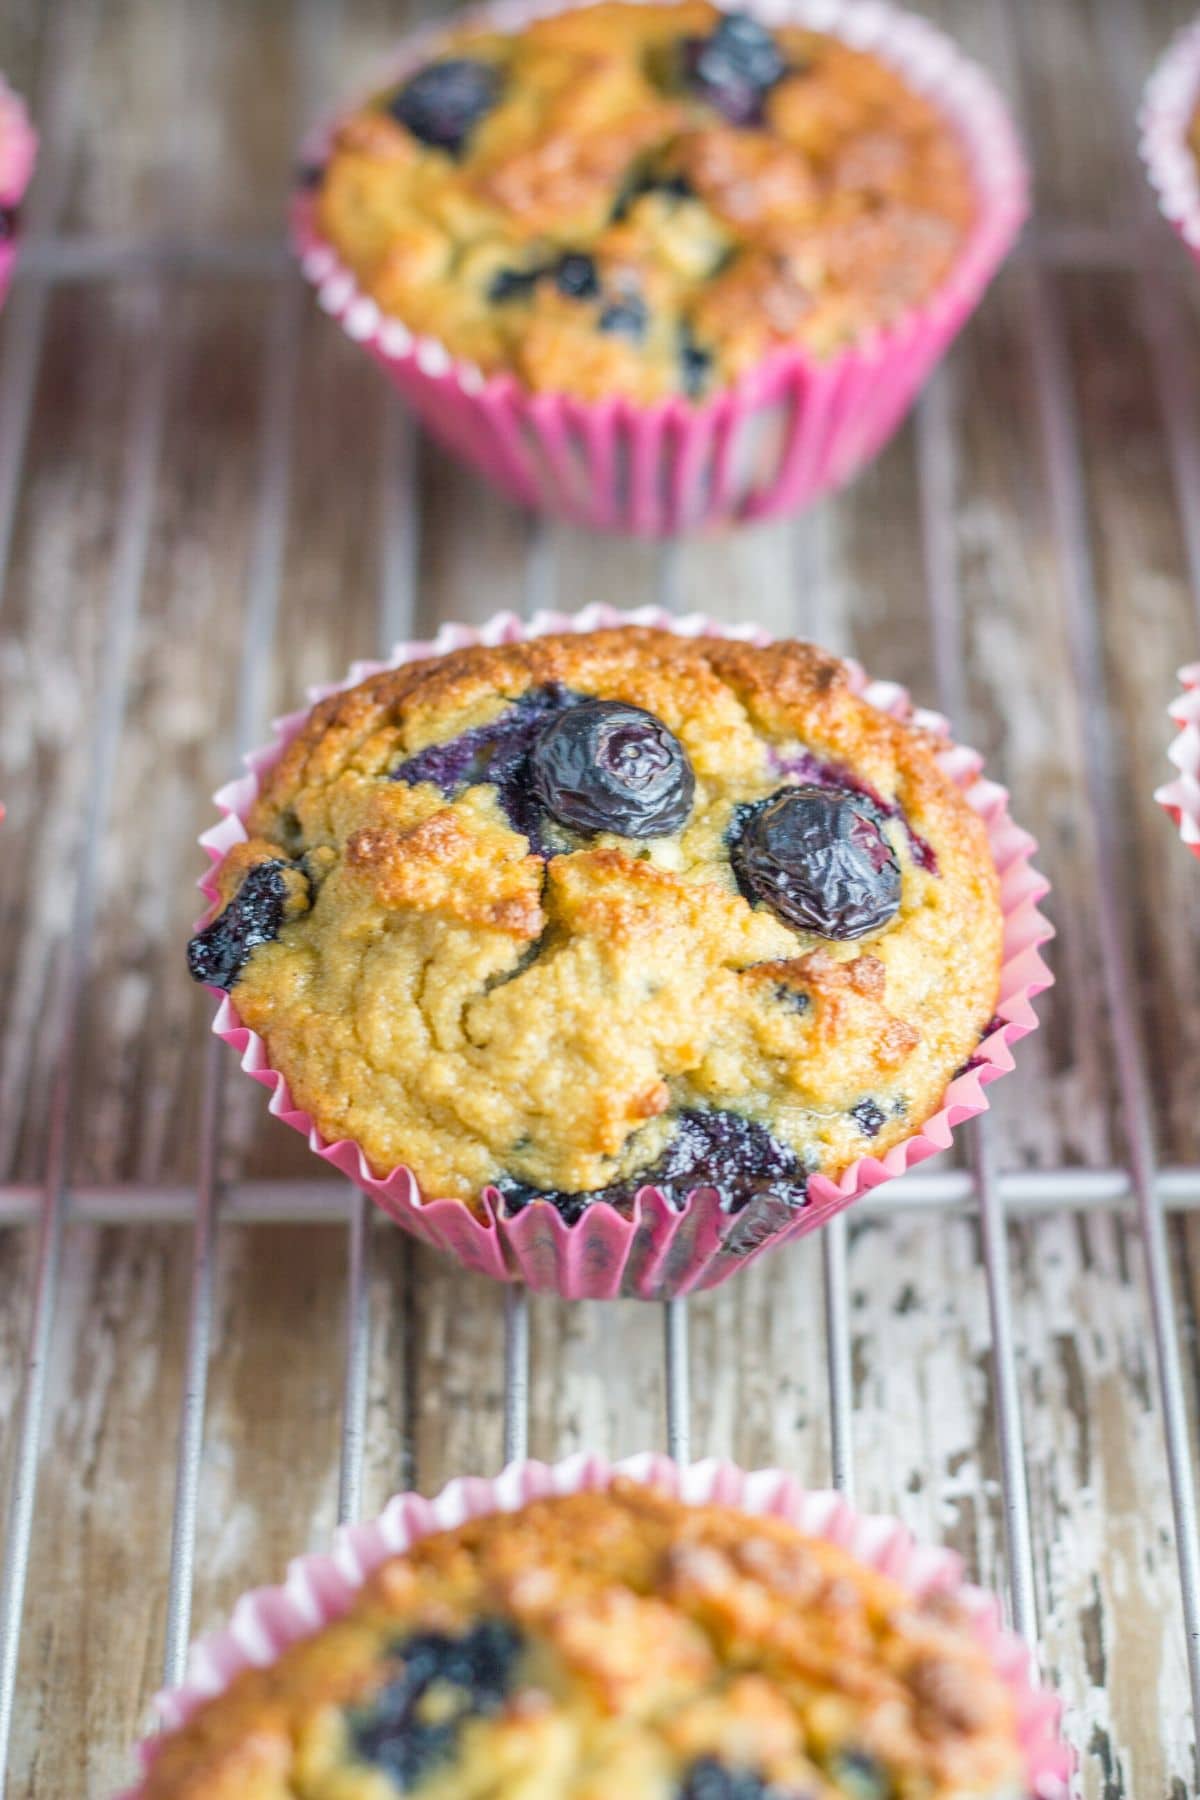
575,276
498,753
708,1779
818,857
443,102
513,284
869,1117
735,67
695,364
605,766
723,1150
859,1775
401,1733
625,318
672,187
219,953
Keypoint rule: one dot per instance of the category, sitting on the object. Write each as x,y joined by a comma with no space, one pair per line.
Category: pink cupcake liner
1181,797
1168,104
320,1588
18,150
792,429
658,1251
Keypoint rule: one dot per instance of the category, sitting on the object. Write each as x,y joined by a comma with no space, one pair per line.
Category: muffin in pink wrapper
18,149
691,1633
1169,134
615,1075
657,291
1181,797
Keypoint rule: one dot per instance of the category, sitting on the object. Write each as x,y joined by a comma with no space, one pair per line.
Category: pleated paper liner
1181,797
1168,104
794,428
18,151
658,1250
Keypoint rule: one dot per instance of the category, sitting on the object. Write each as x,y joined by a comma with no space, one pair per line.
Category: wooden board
211,472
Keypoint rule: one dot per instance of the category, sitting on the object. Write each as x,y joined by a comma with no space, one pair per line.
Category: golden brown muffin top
616,1645
646,199
466,974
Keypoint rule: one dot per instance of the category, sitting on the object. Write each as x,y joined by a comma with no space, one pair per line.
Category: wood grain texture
295,518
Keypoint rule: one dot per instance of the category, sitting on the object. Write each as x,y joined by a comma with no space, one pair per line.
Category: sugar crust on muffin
614,1644
452,978
646,199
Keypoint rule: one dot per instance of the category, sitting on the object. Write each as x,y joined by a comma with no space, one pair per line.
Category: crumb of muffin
585,913
616,1641
645,200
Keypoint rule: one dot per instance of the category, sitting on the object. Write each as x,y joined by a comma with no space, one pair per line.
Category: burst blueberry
604,766
723,1150
734,68
474,1675
219,953
708,1779
625,318
513,284
443,102
818,857
869,1117
498,753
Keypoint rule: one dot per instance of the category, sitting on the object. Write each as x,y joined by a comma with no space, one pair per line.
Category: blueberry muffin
571,916
645,200
614,1646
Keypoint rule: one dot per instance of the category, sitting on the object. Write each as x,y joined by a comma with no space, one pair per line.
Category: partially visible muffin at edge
646,200
615,1646
772,962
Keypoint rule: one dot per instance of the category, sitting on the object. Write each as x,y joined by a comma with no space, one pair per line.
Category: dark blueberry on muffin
219,953
513,284
736,1156
695,364
820,860
602,766
708,1779
442,103
735,67
415,1721
575,276
626,317
869,1116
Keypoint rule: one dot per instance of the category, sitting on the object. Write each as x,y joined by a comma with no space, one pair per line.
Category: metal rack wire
1140,1184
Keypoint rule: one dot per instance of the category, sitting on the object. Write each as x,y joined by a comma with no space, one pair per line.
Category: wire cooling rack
1139,1184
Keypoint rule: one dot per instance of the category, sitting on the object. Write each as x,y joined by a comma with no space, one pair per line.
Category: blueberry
792,999
818,773
674,187
625,318
219,953
708,1779
513,284
474,1674
497,752
819,859
722,1150
695,364
869,1117
575,276
604,766
734,67
859,1775
443,102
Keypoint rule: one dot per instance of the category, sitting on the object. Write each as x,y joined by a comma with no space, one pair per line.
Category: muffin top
587,912
645,200
614,1646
